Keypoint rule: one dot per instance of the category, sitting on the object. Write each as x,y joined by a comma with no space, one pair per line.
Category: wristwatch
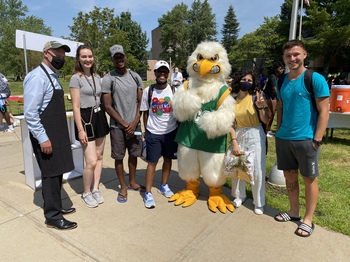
317,142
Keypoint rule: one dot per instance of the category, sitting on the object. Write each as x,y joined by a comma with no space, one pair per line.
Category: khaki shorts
119,144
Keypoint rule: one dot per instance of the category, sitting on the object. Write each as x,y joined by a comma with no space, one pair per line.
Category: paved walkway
130,232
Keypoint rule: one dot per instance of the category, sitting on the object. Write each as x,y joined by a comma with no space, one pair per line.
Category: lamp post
170,50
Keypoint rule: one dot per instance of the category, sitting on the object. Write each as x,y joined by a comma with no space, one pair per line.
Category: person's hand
83,137
46,147
260,101
235,148
129,130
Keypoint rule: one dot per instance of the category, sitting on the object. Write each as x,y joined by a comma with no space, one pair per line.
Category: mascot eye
199,57
215,58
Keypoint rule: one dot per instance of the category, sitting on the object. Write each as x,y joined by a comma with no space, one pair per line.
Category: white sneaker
89,200
9,130
97,195
238,202
258,210
270,134
16,123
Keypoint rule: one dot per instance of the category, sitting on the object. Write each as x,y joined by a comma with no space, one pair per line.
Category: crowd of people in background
120,94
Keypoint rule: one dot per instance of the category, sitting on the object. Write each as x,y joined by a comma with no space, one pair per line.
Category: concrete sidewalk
130,232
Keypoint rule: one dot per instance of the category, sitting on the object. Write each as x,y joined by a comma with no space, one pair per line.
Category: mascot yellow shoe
205,110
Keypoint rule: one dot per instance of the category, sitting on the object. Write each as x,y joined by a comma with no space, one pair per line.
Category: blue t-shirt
299,117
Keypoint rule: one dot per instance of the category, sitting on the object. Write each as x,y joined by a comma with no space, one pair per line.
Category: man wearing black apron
45,114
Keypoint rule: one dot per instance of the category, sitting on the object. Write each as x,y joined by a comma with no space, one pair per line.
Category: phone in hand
89,130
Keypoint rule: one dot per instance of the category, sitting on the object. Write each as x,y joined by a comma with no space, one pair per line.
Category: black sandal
285,217
306,228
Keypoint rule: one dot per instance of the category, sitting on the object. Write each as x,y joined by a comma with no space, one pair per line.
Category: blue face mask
245,86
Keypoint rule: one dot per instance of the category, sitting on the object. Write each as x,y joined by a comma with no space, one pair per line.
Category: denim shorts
298,154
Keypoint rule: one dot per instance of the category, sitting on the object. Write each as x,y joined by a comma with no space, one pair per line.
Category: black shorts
99,123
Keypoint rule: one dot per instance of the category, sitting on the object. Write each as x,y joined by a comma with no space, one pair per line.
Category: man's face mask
57,62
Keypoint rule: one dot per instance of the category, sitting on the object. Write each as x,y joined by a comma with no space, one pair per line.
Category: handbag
88,127
239,166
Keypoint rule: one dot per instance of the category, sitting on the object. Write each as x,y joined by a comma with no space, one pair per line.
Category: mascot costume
205,110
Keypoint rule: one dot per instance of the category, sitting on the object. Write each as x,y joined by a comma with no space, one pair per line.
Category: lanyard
92,87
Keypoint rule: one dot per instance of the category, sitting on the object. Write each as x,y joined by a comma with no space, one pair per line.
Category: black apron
54,120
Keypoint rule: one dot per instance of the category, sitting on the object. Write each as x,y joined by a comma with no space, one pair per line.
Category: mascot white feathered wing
206,112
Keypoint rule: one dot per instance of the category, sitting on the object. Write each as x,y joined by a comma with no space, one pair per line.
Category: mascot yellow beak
206,66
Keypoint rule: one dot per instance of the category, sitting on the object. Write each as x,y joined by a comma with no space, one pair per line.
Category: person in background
121,96
85,91
161,128
45,114
248,134
270,93
176,78
262,81
4,94
301,122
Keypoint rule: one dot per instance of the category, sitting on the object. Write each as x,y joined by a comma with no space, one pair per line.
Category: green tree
183,29
230,30
100,29
327,28
138,40
175,34
12,17
257,49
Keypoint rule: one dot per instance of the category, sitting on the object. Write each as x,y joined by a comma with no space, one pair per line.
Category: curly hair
237,77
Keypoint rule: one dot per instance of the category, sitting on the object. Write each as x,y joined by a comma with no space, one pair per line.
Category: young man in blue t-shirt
301,123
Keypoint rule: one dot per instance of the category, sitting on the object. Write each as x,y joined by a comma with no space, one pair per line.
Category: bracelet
233,139
80,129
261,108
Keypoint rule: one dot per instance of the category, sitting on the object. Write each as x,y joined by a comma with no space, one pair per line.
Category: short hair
292,43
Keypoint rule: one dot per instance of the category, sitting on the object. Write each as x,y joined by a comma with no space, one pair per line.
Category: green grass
332,210
17,89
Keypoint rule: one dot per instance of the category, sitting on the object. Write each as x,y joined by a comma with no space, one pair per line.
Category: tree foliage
257,49
12,17
183,29
101,29
230,29
327,28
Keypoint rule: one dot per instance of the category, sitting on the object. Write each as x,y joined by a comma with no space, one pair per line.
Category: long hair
237,77
77,66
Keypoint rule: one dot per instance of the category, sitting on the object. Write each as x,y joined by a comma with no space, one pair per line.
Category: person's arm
75,96
35,89
323,116
279,113
263,110
107,101
235,147
132,126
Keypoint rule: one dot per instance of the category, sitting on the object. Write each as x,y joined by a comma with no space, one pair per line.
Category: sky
59,14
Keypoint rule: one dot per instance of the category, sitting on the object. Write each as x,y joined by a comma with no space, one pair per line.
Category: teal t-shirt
191,135
299,117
